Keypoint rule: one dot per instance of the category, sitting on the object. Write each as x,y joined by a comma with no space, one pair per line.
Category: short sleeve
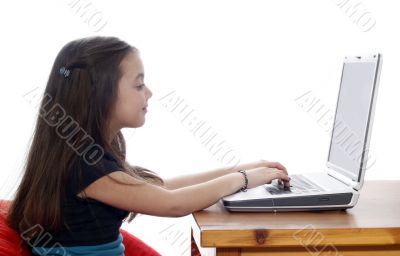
91,173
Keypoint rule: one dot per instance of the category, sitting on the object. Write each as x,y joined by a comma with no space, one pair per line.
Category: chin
137,124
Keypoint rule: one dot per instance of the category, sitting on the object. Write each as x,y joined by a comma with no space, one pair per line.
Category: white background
239,65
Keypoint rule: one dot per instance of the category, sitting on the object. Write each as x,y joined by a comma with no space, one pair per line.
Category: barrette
65,72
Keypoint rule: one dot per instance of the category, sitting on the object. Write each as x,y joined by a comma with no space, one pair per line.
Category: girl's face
130,108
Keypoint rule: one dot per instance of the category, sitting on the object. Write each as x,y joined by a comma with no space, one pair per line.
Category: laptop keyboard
298,185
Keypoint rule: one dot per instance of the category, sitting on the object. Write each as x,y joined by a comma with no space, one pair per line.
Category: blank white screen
351,119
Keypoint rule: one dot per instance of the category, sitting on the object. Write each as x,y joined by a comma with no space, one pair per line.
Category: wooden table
372,227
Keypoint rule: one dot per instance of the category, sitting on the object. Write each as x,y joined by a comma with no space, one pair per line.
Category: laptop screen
348,145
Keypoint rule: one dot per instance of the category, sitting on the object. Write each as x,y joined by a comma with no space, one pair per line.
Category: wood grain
370,227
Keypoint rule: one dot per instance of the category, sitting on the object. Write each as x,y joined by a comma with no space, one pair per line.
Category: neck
112,135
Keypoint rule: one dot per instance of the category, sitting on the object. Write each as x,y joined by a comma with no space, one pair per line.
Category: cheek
129,108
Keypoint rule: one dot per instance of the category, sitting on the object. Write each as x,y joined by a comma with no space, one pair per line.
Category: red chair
136,247
10,241
11,244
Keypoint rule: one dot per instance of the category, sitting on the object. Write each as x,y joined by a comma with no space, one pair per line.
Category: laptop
338,187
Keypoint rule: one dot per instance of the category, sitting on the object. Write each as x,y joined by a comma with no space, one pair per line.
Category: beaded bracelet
246,181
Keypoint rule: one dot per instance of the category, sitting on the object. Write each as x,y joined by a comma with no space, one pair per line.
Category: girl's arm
139,196
196,178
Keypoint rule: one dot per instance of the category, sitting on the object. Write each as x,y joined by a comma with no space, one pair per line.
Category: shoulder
107,162
84,173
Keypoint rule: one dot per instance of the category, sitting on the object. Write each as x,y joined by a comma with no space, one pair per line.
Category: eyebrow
140,75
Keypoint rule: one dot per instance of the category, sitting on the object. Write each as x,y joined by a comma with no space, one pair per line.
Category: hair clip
65,72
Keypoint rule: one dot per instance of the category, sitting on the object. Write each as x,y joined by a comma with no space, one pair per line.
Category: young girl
77,186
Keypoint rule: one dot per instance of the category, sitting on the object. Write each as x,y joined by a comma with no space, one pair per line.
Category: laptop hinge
343,178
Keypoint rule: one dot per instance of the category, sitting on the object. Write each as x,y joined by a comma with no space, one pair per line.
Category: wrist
246,181
247,166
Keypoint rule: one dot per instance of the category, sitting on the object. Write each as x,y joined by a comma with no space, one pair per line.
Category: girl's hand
264,175
261,163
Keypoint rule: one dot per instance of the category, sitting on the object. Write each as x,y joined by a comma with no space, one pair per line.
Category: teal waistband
115,248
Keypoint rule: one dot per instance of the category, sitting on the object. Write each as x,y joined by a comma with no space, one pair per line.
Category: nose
149,93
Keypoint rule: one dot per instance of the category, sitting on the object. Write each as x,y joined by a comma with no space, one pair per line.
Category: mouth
145,108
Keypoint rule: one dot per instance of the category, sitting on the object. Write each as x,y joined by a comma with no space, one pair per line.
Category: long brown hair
82,89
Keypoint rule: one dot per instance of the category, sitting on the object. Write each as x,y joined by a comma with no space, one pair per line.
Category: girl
77,186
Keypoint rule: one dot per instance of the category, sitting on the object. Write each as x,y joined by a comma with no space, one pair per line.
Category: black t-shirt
90,222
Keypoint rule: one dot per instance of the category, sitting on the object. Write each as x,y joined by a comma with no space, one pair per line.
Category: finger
283,176
286,184
278,166
278,174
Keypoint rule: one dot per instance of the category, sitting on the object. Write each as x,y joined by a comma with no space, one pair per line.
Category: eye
140,87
